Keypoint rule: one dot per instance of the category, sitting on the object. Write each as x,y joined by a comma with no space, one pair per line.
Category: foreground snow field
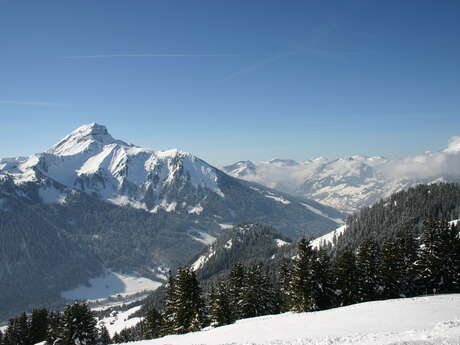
419,321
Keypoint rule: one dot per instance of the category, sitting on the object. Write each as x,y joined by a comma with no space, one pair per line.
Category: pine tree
439,257
219,307
191,314
322,288
55,332
116,339
268,297
125,336
257,294
391,269
284,277
369,280
18,331
300,285
38,325
11,336
407,247
79,325
152,324
235,286
184,311
346,273
103,336
169,312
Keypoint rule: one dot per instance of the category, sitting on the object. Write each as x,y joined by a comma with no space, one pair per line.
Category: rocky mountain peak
84,138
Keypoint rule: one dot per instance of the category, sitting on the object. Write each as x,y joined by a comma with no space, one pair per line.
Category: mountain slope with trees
92,203
402,212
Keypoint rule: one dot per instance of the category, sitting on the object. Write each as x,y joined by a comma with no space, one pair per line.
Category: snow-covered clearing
433,320
280,243
202,237
226,226
203,259
279,199
328,238
118,321
111,285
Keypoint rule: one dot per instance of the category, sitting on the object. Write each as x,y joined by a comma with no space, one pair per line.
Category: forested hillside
402,212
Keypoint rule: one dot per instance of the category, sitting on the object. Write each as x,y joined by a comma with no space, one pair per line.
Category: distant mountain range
92,202
350,183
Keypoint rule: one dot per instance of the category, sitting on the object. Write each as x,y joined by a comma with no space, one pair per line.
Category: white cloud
429,164
423,166
454,145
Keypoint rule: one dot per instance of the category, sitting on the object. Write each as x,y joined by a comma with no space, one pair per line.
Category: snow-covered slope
352,182
118,321
433,320
243,243
329,238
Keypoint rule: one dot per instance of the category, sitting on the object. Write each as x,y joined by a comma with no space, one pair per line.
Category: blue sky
233,80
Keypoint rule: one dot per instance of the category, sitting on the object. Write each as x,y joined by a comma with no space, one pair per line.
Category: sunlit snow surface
111,285
433,320
117,321
328,238
202,237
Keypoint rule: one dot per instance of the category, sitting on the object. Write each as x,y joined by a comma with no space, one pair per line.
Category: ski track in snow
433,320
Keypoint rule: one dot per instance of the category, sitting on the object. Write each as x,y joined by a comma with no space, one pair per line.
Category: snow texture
433,320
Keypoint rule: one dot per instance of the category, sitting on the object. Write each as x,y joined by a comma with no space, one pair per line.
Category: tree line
77,324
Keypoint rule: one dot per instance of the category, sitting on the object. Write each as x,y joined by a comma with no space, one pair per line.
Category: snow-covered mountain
90,160
92,203
431,320
349,183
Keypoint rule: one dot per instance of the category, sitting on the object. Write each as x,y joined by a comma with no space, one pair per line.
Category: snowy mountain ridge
89,159
350,183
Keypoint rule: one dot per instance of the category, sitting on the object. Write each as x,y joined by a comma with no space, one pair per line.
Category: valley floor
432,320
